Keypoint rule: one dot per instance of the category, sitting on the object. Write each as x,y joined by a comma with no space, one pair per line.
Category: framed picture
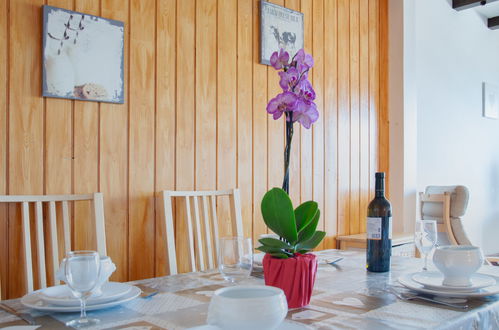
82,56
490,101
279,28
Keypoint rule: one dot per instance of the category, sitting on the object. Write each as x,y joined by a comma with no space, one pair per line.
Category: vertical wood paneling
86,154
374,109
364,112
343,117
58,134
185,103
206,94
318,127
194,118
226,106
330,122
113,155
260,155
275,133
295,161
26,123
354,118
244,111
384,127
142,114
4,221
165,118
306,134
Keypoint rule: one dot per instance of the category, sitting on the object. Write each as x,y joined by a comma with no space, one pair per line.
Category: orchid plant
296,101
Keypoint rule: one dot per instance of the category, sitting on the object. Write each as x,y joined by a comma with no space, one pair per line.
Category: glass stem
83,303
425,262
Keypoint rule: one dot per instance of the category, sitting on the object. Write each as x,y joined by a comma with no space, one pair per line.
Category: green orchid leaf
270,249
311,243
272,242
278,214
307,232
305,213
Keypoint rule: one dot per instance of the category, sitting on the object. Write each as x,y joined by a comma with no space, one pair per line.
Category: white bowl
247,308
458,263
107,267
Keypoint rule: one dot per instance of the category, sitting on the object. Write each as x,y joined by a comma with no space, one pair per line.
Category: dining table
345,296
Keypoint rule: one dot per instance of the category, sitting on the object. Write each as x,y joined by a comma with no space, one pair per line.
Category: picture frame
280,27
83,56
490,100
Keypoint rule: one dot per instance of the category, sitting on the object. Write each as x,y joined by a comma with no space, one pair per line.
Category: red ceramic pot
295,276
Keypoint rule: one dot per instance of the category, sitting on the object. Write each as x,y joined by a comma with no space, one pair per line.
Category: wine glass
82,272
425,238
235,258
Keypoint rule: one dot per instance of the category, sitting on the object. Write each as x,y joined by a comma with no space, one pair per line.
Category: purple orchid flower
281,103
289,79
305,113
305,90
279,60
303,61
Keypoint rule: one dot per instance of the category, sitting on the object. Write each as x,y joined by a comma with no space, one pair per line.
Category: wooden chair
98,212
208,200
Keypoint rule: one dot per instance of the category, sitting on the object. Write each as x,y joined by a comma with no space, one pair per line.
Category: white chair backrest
442,202
208,199
98,212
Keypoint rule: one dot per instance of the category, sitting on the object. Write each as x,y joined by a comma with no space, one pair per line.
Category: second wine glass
425,238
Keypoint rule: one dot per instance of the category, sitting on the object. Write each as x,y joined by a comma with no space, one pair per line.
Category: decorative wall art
490,101
82,56
279,28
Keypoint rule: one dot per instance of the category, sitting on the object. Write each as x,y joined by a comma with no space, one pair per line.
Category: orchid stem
287,151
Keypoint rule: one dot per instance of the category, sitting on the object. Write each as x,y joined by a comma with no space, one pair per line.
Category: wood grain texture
185,118
245,111
165,118
344,97
4,78
330,120
306,138
194,117
354,119
260,153
113,155
26,123
142,137
318,73
226,107
85,153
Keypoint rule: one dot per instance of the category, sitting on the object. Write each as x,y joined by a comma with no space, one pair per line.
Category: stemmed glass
82,272
235,258
425,238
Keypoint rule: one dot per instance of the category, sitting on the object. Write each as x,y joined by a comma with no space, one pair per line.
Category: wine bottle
379,229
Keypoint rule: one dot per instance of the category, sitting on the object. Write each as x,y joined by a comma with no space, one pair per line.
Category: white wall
456,52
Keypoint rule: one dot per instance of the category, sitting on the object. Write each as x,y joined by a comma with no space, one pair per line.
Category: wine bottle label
374,228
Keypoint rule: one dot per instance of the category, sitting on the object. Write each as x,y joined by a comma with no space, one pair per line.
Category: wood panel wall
194,118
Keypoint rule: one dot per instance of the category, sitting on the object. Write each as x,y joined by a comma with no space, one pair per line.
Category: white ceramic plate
409,283
433,280
61,294
284,326
34,301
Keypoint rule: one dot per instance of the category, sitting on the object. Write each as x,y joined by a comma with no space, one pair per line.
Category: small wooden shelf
402,243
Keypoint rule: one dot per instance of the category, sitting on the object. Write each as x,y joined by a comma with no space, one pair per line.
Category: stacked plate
60,299
431,283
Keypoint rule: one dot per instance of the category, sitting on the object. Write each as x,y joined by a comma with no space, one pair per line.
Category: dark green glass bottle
379,229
